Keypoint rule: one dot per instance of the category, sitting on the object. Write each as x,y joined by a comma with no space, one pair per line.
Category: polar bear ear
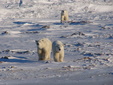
42,39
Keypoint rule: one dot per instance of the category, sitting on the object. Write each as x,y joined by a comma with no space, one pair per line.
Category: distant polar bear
44,47
58,51
64,16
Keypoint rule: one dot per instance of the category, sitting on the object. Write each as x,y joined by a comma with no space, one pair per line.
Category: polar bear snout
36,42
58,48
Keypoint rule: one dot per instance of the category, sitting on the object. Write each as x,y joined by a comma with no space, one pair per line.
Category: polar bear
64,16
44,47
58,51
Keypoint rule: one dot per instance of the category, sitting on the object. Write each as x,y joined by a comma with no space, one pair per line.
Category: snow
88,40
100,8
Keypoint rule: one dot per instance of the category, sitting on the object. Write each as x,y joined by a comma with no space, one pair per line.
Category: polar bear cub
64,16
58,51
44,47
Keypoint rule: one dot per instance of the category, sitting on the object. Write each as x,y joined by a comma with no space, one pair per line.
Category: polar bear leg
66,18
40,55
56,57
62,19
47,56
61,58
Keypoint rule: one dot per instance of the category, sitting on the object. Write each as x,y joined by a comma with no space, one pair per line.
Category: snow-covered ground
88,42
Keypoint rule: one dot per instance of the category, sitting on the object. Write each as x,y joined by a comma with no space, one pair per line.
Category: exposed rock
5,57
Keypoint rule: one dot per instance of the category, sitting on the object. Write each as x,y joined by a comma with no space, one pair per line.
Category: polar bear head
58,46
40,43
63,12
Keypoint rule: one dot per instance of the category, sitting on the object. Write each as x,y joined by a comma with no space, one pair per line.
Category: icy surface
88,40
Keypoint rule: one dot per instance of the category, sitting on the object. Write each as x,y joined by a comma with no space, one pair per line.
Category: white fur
64,16
58,51
44,47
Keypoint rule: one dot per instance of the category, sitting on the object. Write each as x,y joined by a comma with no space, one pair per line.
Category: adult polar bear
58,51
44,47
64,16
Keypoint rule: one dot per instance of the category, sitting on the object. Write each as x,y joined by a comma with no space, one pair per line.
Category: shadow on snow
73,23
17,60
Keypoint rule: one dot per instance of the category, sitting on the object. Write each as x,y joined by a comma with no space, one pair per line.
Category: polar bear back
44,43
